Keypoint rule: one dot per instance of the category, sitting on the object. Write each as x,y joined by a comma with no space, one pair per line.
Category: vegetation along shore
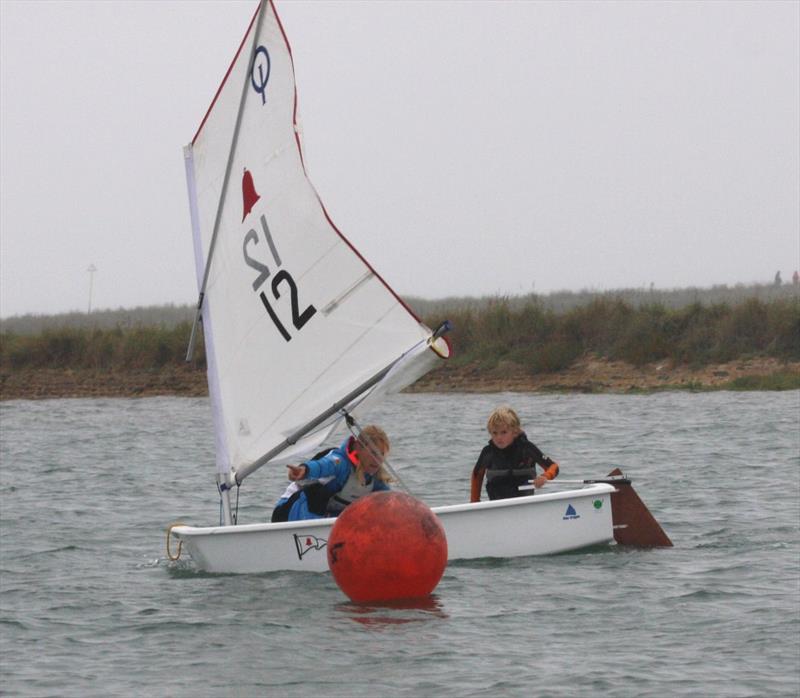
739,338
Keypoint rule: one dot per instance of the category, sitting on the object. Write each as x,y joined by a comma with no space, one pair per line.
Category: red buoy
385,547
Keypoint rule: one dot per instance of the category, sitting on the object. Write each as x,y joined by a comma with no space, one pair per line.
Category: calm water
89,606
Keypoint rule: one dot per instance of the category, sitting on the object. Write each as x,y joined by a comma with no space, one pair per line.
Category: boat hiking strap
352,425
177,556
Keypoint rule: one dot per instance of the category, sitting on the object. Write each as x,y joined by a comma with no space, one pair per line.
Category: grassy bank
119,349
499,342
544,341
560,302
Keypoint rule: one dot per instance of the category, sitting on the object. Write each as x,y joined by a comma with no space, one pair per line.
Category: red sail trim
227,73
294,82
316,193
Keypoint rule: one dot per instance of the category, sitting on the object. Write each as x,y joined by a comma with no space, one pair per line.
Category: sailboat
301,333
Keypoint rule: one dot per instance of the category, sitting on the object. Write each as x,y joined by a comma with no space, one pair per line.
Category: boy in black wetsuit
509,460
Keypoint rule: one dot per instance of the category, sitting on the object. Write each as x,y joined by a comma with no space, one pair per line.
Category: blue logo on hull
570,513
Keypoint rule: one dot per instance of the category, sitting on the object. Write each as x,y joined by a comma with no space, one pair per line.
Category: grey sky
466,148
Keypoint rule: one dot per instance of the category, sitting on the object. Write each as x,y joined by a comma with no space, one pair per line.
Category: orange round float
387,546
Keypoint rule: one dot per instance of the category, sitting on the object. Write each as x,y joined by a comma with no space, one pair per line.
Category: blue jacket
335,467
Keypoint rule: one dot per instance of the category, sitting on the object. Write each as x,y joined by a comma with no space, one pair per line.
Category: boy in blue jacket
324,486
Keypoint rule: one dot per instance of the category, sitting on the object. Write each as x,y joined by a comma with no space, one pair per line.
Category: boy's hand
540,481
296,472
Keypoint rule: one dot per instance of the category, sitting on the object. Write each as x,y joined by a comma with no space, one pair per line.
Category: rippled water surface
89,605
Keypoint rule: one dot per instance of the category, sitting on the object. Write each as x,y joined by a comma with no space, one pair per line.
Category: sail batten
295,319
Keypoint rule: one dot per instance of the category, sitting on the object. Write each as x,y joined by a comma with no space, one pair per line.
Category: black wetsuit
508,468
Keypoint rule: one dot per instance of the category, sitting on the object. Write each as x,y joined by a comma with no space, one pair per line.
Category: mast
220,445
225,181
224,480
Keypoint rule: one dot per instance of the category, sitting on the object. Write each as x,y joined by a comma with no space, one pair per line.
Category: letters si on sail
294,318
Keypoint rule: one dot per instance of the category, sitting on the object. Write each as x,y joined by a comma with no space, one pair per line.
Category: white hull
539,525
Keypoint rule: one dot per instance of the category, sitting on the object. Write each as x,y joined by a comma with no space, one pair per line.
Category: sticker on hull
306,543
570,513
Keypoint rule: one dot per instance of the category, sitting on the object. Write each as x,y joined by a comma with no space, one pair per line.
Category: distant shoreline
626,342
590,375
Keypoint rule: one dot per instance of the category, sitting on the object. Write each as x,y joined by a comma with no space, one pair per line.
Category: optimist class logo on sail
282,277
261,62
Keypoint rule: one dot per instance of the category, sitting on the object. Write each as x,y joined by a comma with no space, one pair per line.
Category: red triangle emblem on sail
249,193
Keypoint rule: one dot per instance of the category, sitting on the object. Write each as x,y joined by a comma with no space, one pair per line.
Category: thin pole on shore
92,269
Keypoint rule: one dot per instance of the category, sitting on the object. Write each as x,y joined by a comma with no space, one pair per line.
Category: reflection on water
396,612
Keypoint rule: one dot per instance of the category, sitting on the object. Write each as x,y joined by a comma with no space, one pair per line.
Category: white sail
294,318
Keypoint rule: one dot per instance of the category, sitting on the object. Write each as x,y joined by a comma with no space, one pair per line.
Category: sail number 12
281,281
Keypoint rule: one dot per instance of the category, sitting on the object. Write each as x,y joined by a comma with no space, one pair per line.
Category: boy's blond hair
373,438
504,417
